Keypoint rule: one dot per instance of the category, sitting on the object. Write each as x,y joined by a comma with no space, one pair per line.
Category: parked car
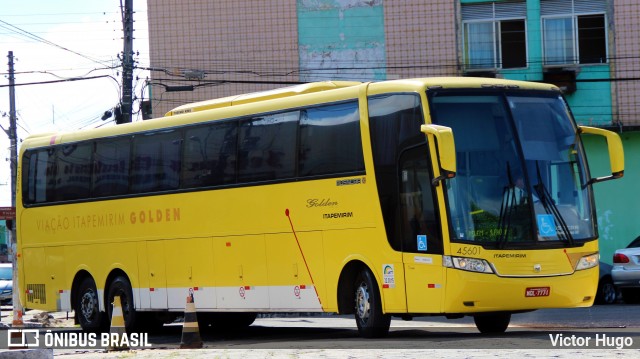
6,283
607,292
626,271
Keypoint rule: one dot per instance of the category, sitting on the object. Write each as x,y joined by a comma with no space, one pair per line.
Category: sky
58,40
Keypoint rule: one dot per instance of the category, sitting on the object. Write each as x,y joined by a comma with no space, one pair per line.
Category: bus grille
36,293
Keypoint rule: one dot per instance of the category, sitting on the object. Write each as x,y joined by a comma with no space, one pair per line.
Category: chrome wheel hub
362,302
87,304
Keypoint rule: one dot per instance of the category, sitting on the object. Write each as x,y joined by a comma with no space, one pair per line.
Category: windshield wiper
550,207
506,209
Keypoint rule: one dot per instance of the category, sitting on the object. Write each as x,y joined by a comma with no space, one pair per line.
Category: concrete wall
421,38
617,201
626,60
259,45
341,39
247,43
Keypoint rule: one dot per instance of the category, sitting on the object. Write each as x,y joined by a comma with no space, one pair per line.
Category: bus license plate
537,292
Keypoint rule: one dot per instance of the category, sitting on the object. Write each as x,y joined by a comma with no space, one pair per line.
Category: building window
573,33
495,44
494,35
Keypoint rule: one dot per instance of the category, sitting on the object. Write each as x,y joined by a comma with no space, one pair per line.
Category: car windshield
520,168
635,243
6,273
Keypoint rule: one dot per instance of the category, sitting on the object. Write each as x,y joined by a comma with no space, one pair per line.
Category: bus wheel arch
119,284
346,289
359,293
85,301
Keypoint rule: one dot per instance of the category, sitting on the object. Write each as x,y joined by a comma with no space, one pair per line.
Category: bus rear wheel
121,287
372,323
491,323
86,306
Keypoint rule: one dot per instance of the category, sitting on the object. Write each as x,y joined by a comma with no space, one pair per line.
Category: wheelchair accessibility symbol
546,225
422,243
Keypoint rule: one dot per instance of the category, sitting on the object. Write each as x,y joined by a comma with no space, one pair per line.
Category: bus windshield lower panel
521,170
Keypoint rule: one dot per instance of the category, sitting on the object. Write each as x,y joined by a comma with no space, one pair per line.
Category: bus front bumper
468,292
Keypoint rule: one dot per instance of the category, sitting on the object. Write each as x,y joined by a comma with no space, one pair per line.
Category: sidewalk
37,319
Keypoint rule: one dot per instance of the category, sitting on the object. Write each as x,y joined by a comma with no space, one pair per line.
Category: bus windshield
521,174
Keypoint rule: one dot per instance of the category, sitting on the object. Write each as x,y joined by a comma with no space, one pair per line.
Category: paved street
530,335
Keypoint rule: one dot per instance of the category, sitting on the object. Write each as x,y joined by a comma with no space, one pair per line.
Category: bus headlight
468,264
587,262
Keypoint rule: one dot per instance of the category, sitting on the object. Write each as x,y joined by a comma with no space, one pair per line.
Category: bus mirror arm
446,150
614,147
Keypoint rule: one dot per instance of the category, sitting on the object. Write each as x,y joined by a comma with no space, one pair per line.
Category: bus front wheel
372,323
87,308
491,323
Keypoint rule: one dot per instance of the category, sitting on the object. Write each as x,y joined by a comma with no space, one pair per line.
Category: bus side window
74,176
111,167
209,157
266,148
395,122
156,162
337,125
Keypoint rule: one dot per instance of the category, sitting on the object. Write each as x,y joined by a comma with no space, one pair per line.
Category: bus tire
371,322
87,308
492,323
121,286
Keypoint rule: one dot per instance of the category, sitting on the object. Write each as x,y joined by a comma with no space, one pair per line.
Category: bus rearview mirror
614,147
446,149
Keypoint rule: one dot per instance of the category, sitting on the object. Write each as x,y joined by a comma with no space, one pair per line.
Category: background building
590,48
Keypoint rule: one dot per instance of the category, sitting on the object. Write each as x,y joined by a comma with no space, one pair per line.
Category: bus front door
421,235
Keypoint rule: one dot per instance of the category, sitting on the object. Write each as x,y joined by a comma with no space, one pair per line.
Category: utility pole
127,62
13,140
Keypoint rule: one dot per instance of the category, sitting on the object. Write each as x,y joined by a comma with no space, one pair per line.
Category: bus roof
261,96
251,99
418,83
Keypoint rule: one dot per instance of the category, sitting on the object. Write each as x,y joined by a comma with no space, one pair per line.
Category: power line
64,80
35,37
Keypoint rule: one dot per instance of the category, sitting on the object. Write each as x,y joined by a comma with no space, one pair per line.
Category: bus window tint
267,147
40,179
111,170
395,122
156,162
74,171
210,155
330,140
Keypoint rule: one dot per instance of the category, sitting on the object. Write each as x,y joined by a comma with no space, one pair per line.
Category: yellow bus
434,196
